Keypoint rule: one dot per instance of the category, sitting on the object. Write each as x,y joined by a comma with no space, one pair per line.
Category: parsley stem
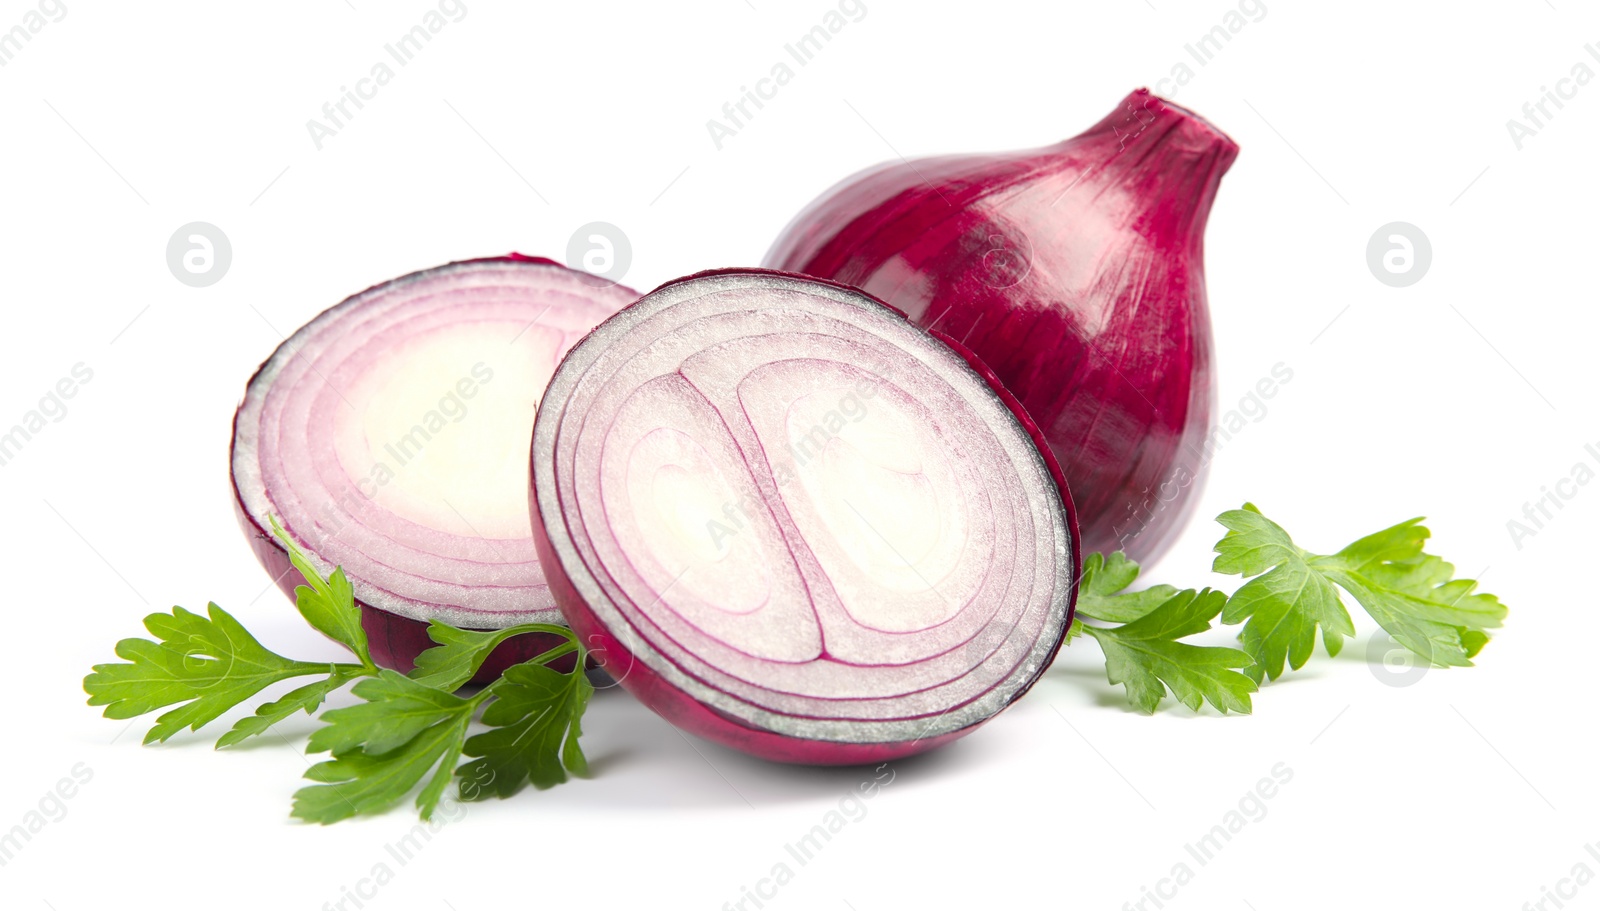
565,648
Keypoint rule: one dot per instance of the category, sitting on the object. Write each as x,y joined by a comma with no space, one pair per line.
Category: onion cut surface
390,436
791,522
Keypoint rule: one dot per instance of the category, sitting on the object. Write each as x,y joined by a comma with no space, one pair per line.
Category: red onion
390,436
1074,271
791,522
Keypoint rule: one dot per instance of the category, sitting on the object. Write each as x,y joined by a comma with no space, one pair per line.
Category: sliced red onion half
390,436
791,522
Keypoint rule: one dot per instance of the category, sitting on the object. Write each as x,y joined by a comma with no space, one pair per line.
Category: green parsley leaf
327,604
1101,594
1413,595
208,664
1287,604
305,698
1074,630
383,747
212,665
403,729
396,709
535,738
1145,656
461,652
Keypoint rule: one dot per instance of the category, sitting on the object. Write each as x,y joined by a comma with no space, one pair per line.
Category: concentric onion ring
791,522
390,436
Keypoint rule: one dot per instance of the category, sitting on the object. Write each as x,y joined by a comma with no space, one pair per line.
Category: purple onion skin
1075,273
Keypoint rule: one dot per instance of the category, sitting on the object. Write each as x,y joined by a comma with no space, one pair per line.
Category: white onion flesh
802,512
390,435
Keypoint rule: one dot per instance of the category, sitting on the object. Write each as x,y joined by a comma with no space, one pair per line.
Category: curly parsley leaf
1146,657
1411,594
535,717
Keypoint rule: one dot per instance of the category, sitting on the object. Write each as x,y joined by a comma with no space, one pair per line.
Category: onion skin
1075,272
393,641
688,714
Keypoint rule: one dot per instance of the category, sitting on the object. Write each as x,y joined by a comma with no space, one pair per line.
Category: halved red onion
1075,271
390,436
791,522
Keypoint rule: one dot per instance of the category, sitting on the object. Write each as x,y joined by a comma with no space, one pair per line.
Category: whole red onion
1075,272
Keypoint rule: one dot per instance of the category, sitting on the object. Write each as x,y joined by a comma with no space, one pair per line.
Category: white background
1458,398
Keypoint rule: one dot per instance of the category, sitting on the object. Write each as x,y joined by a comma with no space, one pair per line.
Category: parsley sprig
405,726
1291,595
210,663
1413,595
419,731
382,747
1144,653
